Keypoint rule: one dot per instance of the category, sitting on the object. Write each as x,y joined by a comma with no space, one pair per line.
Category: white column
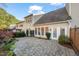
58,32
44,32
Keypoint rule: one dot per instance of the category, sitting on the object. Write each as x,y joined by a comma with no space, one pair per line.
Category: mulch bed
68,46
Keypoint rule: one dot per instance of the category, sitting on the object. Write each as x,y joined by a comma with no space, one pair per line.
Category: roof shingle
54,16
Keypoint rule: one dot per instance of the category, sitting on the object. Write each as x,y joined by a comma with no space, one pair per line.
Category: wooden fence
74,35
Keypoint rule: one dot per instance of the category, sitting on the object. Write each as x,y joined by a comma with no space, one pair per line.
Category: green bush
10,53
19,34
9,41
12,47
8,45
63,39
67,40
48,35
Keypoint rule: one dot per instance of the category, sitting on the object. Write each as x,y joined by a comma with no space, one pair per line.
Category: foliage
63,39
48,35
19,34
6,40
10,53
5,35
7,46
12,47
6,19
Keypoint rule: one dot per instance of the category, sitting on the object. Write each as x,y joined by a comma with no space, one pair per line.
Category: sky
20,10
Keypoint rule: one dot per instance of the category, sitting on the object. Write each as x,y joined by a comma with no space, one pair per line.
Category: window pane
35,31
38,31
62,31
54,32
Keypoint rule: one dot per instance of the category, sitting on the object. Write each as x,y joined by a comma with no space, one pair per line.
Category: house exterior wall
30,21
51,27
21,26
72,9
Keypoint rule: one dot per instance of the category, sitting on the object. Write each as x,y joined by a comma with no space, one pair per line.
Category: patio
30,46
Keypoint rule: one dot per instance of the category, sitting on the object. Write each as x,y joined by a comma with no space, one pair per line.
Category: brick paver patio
29,46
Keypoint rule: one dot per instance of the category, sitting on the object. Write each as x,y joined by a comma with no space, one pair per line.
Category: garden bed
68,46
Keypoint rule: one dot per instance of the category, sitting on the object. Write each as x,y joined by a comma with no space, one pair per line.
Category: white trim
50,23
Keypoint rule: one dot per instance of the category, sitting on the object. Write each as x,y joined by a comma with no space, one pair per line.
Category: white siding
73,10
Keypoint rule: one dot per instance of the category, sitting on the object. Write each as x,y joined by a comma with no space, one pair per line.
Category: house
56,22
61,21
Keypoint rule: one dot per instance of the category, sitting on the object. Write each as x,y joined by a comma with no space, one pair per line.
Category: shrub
10,53
9,45
12,47
67,40
48,35
11,40
5,35
19,34
63,39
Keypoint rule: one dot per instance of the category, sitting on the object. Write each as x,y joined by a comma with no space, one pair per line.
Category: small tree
48,35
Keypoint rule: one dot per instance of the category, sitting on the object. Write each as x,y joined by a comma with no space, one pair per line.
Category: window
54,32
42,30
62,31
35,31
38,31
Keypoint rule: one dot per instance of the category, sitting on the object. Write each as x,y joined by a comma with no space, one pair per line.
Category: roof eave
52,23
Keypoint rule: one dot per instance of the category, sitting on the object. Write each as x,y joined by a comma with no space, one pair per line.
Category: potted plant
48,35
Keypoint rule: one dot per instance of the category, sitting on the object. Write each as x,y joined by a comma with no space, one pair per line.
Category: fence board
74,35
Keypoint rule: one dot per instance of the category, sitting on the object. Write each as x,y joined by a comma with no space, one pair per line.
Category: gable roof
54,16
28,15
